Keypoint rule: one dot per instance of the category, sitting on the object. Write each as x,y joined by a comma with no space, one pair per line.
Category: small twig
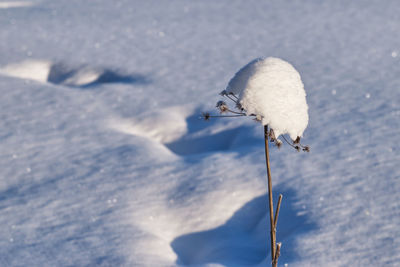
223,108
235,112
278,206
277,254
207,116
232,94
290,144
297,147
297,144
216,116
231,99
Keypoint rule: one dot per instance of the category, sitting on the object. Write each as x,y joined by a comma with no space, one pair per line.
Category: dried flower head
278,143
205,116
222,106
271,135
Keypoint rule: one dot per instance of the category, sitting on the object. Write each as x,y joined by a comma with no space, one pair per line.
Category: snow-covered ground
104,162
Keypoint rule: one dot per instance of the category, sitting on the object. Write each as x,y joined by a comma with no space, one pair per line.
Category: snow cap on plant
271,88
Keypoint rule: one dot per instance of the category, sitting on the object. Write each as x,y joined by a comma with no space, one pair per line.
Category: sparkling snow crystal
272,89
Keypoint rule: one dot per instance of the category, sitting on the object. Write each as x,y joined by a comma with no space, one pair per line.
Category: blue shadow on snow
200,139
244,239
66,75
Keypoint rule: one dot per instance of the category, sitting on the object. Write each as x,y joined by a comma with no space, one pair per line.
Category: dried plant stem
271,205
229,96
234,112
277,254
275,249
278,206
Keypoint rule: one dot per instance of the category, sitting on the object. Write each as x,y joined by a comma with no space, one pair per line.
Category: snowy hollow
272,89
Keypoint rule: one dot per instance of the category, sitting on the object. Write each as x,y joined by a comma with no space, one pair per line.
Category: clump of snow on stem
271,89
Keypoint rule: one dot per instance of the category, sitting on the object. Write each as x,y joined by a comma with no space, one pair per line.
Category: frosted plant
270,90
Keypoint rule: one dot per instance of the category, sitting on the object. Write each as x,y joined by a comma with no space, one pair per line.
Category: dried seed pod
222,106
206,116
278,143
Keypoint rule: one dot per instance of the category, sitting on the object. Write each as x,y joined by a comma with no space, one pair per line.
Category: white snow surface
37,70
14,4
272,89
104,161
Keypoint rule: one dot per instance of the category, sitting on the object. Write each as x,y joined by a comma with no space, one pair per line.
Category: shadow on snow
244,239
200,139
86,77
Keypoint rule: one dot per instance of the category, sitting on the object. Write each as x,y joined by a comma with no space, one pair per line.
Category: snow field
100,171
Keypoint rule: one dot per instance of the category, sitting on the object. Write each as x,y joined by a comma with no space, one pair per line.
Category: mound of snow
80,76
163,126
272,89
13,4
45,71
37,70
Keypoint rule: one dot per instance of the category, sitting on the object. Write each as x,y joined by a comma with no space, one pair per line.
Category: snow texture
105,162
272,89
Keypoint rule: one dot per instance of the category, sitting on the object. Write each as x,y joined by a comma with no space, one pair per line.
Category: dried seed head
205,116
239,106
220,103
278,143
271,135
306,149
297,148
222,106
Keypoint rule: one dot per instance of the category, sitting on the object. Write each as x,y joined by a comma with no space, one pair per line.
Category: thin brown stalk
277,254
235,112
221,116
271,205
234,96
278,206
294,146
228,96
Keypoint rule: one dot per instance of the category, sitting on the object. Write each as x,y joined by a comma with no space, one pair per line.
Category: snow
121,171
15,4
272,89
46,71
37,70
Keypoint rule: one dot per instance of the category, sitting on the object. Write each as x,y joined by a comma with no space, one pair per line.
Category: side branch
277,254
278,206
